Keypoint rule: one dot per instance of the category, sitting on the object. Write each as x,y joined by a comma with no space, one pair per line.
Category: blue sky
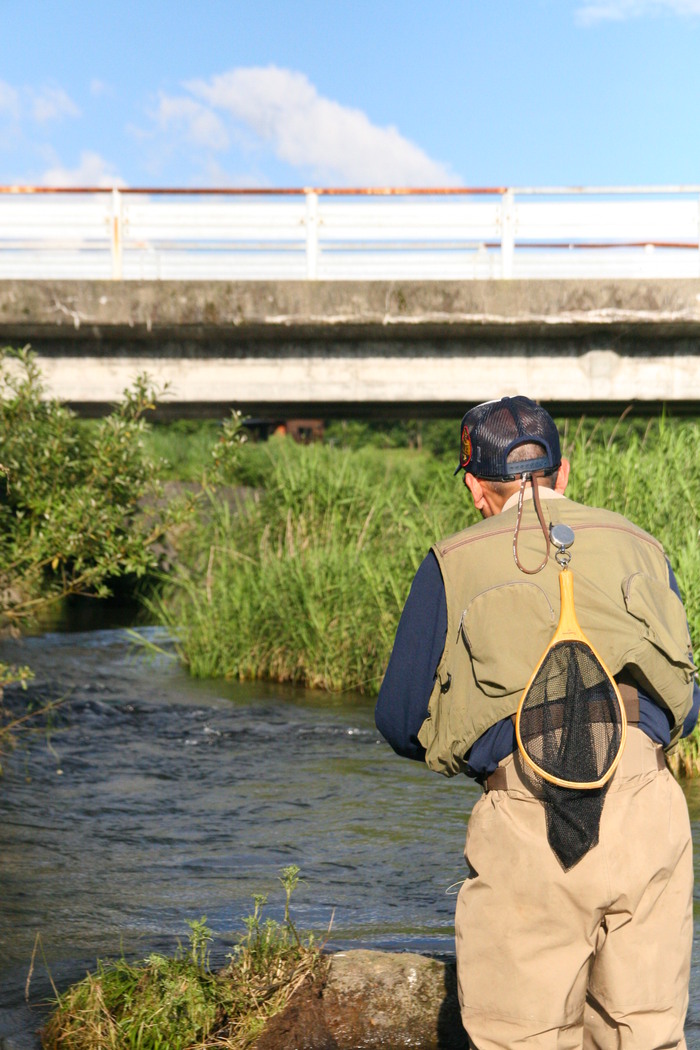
368,92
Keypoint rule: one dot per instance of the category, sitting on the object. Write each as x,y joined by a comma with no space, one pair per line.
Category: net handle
569,629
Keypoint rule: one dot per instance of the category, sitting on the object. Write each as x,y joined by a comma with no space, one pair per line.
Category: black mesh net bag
570,727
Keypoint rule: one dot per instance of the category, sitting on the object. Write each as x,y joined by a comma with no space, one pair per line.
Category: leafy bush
431,435
181,447
69,502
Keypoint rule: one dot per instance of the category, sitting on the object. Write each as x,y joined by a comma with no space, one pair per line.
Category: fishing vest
500,620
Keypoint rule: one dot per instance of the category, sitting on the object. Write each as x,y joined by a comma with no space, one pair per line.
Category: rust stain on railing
361,191
285,191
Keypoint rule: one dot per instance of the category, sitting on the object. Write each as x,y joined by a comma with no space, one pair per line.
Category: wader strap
630,698
496,781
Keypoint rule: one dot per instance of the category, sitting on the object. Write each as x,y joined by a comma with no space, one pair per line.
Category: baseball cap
491,431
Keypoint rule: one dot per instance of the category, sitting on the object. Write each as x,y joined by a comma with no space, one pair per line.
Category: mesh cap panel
491,431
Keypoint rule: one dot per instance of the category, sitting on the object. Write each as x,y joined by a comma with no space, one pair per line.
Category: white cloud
9,101
212,172
93,170
99,87
41,105
52,103
199,124
317,135
621,10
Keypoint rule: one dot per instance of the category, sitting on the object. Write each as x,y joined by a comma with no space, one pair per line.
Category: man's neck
544,493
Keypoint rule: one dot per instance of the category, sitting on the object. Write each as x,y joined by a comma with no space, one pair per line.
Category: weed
179,1003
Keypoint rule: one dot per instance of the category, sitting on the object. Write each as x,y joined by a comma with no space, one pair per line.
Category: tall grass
306,584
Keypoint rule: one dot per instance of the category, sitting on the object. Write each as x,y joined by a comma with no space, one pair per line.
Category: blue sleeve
692,716
402,706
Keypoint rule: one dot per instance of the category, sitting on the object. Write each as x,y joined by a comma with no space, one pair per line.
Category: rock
372,1000
301,1025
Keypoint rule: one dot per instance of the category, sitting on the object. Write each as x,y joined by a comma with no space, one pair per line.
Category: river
153,799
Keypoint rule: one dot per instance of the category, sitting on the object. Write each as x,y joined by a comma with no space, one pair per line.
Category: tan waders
596,957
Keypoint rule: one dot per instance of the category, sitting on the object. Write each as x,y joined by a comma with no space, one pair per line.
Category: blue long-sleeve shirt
402,706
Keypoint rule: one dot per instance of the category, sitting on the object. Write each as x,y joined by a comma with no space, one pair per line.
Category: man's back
499,621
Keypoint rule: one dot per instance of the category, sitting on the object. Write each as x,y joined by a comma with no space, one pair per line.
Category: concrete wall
336,346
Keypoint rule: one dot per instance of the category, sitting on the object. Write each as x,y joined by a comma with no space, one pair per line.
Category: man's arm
402,706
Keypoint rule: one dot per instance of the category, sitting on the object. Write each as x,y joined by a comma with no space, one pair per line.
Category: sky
274,93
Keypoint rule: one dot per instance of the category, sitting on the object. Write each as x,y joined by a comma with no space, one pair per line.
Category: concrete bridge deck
340,347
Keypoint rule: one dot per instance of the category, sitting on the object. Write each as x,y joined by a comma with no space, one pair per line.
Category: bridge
334,302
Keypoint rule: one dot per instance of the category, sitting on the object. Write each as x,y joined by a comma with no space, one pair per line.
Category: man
555,950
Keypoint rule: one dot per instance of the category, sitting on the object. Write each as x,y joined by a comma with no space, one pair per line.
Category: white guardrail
368,234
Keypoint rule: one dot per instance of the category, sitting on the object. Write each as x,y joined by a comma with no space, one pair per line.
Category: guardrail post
311,235
507,233
117,223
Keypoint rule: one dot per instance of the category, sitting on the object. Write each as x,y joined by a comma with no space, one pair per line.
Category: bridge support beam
334,347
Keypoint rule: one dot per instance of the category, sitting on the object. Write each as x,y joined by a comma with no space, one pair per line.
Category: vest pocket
654,604
506,629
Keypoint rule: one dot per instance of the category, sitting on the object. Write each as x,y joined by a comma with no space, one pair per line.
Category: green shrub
79,504
69,502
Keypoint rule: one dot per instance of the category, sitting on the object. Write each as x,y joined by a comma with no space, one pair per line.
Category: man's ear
562,476
476,489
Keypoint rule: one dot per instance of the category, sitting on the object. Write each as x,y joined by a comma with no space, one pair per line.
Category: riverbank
342,1001
179,1002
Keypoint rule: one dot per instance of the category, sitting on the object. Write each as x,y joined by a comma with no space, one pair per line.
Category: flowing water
153,799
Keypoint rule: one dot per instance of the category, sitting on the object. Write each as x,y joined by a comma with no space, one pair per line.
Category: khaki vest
500,620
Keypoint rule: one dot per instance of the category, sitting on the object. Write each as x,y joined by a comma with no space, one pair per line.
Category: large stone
372,1000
